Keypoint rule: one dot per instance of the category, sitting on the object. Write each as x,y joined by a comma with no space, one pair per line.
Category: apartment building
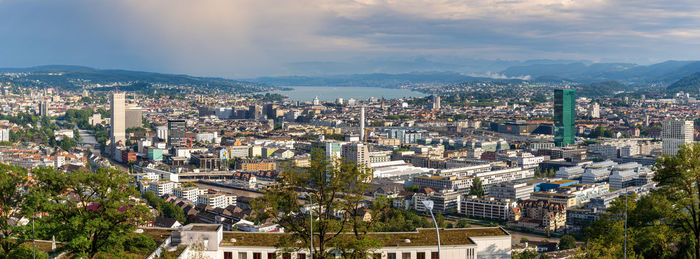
216,200
440,183
487,208
161,188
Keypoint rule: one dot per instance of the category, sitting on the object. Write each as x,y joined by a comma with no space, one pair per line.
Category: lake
330,93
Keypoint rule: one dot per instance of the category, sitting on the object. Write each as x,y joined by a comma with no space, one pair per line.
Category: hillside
76,77
370,80
688,84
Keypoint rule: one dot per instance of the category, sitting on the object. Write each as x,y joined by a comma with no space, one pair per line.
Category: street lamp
311,227
429,205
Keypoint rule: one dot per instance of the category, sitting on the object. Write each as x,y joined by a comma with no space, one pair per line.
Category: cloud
237,38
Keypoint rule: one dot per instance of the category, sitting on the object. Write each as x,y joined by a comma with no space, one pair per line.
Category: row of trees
89,211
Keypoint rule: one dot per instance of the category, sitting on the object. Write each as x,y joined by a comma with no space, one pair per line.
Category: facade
487,208
161,188
564,117
440,183
256,165
133,116
118,123
676,133
356,152
176,132
216,200
162,133
187,193
511,191
540,215
470,243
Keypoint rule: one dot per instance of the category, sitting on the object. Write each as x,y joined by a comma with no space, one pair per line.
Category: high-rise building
564,117
436,102
362,124
176,132
356,152
162,132
255,112
44,109
594,111
133,117
118,122
675,133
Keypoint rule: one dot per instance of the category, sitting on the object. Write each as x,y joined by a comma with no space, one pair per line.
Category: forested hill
75,77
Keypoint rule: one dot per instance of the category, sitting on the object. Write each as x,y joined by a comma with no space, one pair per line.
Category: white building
188,193
162,132
216,200
161,188
676,133
5,134
118,122
469,243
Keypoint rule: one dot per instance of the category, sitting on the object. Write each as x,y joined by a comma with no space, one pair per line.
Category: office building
255,112
511,191
133,115
362,124
44,109
176,132
676,133
118,123
436,102
356,152
564,116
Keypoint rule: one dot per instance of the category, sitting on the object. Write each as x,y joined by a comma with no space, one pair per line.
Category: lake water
330,93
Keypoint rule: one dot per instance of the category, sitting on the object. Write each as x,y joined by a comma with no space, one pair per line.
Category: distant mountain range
373,80
599,78
74,77
661,73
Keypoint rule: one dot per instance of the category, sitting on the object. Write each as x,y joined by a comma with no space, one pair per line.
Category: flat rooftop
420,237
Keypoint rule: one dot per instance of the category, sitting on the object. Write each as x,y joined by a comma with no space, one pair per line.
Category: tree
90,211
329,187
462,223
567,242
12,197
476,189
679,177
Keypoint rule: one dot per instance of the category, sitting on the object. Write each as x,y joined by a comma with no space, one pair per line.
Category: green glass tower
564,117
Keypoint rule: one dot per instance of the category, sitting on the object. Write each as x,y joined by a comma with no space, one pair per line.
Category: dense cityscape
522,174
356,129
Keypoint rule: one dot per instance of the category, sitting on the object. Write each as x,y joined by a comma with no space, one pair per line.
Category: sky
248,38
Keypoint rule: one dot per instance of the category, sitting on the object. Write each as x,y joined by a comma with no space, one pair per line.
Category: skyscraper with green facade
564,117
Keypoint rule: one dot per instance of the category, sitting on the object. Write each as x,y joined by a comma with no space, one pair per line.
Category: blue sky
245,38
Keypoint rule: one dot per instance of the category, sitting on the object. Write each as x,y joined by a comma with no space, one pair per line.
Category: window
257,256
271,256
301,256
420,255
406,255
286,256
242,255
391,255
434,255
228,255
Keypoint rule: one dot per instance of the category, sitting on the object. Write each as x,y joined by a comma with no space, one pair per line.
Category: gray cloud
247,38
